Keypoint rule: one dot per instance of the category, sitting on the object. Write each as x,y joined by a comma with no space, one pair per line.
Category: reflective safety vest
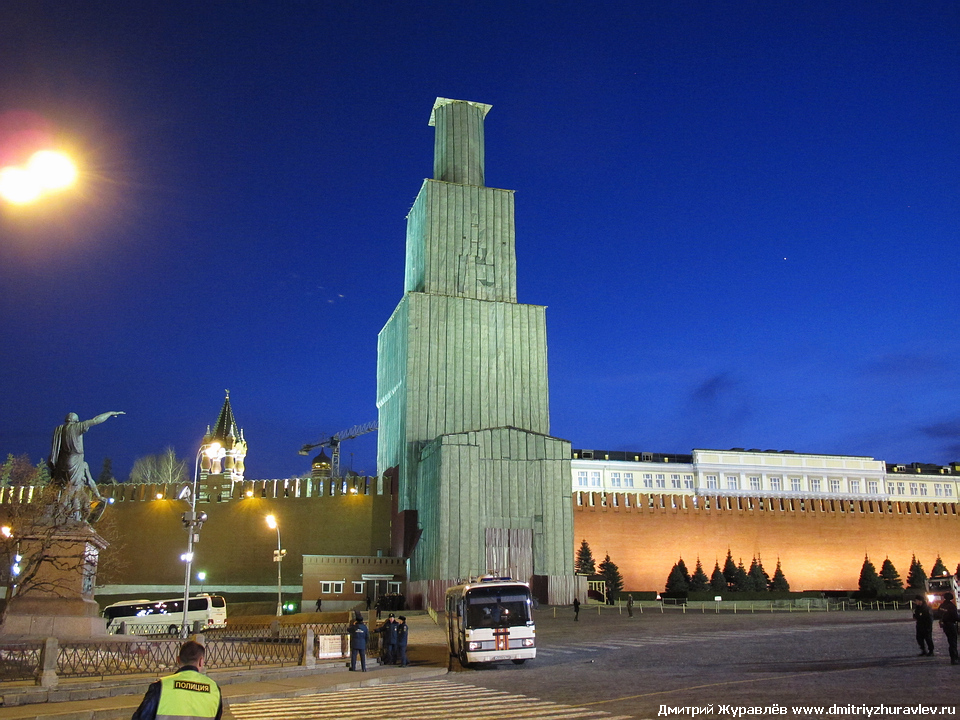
188,694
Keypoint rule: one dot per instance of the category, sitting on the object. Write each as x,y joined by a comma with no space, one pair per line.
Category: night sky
742,216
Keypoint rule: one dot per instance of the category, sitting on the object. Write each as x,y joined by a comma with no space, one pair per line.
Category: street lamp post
192,521
277,558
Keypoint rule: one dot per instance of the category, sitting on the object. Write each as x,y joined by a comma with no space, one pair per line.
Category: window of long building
754,482
582,478
688,482
733,482
873,486
923,489
628,480
814,484
834,485
648,480
595,478
615,479
796,484
854,486
675,482
776,484
661,481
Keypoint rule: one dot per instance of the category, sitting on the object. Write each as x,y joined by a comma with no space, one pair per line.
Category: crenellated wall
820,543
236,546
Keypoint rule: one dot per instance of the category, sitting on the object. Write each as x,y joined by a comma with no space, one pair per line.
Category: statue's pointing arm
102,417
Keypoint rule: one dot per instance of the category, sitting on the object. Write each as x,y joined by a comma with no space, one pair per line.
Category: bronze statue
68,469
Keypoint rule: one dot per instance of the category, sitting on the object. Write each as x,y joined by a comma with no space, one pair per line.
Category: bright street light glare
271,522
53,170
18,186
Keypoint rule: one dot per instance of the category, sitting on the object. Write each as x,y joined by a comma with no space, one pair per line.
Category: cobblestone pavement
633,666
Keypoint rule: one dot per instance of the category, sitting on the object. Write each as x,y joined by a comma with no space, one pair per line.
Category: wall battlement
640,503
819,542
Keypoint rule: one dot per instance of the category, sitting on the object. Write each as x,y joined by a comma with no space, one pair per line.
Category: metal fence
237,646
19,661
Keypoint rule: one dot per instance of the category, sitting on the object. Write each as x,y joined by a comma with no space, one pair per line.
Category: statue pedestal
58,600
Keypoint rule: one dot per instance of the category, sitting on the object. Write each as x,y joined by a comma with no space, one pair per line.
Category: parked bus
491,619
937,586
150,617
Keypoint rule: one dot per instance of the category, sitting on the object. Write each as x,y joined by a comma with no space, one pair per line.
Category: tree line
734,577
163,467
888,581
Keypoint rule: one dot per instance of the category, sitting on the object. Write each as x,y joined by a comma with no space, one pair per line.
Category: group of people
393,643
949,619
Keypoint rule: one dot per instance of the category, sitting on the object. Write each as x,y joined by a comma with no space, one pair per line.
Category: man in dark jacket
358,643
921,613
187,694
948,621
402,632
388,640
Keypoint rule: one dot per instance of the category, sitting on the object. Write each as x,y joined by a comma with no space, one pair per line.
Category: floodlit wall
821,543
236,546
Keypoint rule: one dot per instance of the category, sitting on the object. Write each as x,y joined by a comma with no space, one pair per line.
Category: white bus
937,586
491,619
150,617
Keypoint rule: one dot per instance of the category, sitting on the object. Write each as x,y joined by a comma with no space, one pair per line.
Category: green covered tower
462,389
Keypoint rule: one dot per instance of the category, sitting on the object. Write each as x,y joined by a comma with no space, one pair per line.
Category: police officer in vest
186,695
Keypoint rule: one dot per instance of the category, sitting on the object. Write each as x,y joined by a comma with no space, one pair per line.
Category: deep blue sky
743,217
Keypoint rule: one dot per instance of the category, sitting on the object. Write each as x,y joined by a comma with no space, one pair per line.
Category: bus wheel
519,661
172,630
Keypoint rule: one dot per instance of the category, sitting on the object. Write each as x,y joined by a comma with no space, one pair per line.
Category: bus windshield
497,607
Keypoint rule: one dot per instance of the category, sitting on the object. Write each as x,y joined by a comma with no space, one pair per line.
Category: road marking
426,700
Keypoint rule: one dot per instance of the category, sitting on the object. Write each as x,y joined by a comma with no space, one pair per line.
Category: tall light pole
277,558
192,523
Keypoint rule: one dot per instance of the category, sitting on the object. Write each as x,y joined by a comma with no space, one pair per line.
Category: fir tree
718,583
916,577
699,582
939,568
682,566
890,576
758,576
958,569
779,582
106,473
730,571
677,581
612,577
870,583
742,581
585,564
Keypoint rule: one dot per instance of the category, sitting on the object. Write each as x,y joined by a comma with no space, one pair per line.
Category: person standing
402,632
948,621
319,604
187,694
576,609
630,605
921,613
388,640
359,635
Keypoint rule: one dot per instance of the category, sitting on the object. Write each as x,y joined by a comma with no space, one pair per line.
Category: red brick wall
820,547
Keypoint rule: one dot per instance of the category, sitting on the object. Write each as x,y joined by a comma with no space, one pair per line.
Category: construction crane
333,442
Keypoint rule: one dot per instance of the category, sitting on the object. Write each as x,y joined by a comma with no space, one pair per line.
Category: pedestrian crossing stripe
424,700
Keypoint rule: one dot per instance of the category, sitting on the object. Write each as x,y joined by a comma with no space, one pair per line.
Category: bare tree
162,468
37,553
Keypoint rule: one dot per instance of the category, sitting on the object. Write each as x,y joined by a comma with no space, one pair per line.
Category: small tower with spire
231,439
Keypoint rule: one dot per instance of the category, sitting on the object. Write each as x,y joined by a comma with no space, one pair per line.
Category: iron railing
19,661
97,658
